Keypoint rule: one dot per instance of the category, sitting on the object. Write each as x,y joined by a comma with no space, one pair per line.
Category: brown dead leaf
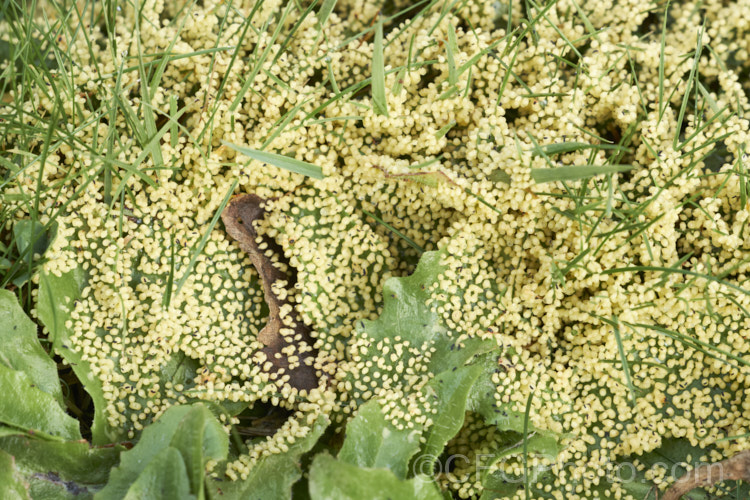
238,218
731,469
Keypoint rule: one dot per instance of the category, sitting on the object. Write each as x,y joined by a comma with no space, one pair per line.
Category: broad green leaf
21,348
371,441
57,470
449,353
281,161
164,478
274,475
542,175
451,389
189,435
199,437
334,479
25,406
482,401
54,304
453,369
12,485
31,239
59,296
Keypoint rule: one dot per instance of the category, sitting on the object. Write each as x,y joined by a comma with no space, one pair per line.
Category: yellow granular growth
566,276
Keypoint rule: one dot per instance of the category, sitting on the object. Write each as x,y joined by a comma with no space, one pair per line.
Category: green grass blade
325,12
452,49
526,445
686,272
395,231
281,161
623,359
379,103
444,129
542,175
690,82
569,147
198,249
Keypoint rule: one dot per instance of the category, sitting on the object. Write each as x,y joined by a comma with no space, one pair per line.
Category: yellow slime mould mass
577,171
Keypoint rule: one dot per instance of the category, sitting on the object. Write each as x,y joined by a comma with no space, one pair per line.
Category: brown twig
735,468
238,218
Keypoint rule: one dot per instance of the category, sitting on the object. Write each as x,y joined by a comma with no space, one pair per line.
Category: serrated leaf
454,367
274,475
482,401
281,161
21,348
331,478
373,442
405,310
178,364
188,435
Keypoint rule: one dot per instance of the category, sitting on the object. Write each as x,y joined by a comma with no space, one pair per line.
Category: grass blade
623,359
395,231
569,147
526,444
281,161
198,249
452,49
689,86
379,102
542,175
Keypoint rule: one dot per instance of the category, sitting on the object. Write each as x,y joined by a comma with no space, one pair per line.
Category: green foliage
31,400
285,162
169,460
273,476
32,238
12,485
573,173
458,381
331,478
55,470
379,101
21,348
373,442
384,454
56,297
